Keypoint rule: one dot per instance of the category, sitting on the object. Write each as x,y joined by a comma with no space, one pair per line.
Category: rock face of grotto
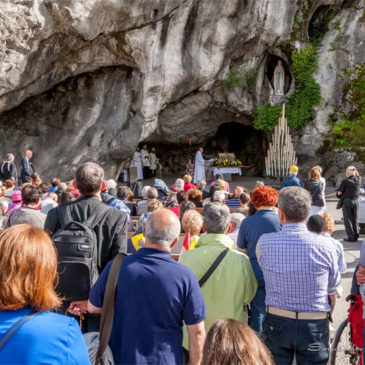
88,80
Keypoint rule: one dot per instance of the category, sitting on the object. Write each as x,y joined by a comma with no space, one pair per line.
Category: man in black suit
27,166
8,169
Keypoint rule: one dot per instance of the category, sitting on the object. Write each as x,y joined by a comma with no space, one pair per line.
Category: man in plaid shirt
298,268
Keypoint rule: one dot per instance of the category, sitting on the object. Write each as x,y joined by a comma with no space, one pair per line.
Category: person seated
123,194
29,212
44,190
67,196
55,181
219,196
217,178
153,205
201,184
192,224
181,196
184,207
234,199
112,187
149,195
29,267
233,342
49,203
196,196
10,187
112,201
36,179
236,220
188,183
292,180
244,204
162,188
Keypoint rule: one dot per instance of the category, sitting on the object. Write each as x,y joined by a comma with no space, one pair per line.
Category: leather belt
297,315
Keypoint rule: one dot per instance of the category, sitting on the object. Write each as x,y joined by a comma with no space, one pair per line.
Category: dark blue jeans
307,339
258,310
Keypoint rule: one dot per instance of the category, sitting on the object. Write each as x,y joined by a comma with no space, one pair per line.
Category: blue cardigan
47,338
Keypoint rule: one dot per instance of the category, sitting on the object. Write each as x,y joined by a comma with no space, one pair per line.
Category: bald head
28,153
162,228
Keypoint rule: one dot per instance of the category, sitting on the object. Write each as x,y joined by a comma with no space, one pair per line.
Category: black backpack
77,248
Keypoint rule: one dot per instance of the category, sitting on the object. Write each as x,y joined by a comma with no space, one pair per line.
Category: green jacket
231,286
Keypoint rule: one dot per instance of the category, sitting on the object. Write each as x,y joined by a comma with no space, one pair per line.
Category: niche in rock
248,144
272,64
318,24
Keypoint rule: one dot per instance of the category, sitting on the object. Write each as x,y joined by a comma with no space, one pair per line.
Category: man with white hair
8,168
150,194
234,200
219,196
155,295
348,193
236,220
27,166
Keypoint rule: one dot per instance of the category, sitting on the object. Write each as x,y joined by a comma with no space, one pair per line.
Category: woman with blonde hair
192,224
28,274
188,183
230,342
315,187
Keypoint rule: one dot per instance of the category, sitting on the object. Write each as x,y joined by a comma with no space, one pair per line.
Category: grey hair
295,202
216,218
152,193
237,218
319,168
10,156
201,183
179,183
111,184
219,196
351,170
89,178
161,234
144,190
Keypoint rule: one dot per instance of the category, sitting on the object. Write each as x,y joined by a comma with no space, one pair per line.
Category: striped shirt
299,267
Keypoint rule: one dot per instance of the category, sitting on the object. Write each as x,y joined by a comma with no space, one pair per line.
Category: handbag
97,342
14,328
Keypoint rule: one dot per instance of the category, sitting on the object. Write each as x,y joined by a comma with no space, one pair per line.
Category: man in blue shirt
299,267
234,200
292,180
155,296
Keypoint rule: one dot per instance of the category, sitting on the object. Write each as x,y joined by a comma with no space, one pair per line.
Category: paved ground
352,250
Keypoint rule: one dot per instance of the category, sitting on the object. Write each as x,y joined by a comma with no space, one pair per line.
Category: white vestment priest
137,162
199,169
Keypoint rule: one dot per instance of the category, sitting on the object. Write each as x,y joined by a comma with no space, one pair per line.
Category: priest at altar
199,169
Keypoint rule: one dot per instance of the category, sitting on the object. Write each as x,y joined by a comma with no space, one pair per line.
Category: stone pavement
352,249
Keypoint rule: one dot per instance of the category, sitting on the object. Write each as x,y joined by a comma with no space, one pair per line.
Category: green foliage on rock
300,104
350,130
238,78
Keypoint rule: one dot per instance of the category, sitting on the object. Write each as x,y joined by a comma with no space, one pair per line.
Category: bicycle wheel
343,351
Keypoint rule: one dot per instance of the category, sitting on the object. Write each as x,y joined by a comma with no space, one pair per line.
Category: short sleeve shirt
155,295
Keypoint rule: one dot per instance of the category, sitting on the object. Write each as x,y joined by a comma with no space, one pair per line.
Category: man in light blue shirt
299,267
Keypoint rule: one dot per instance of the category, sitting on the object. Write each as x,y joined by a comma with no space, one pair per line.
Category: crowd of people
209,275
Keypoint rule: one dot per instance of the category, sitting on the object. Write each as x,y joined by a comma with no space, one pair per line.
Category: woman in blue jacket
28,264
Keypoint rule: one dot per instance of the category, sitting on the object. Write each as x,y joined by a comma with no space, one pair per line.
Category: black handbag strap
12,330
107,315
215,264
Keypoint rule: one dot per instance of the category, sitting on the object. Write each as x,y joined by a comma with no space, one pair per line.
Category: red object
176,210
189,186
186,242
357,321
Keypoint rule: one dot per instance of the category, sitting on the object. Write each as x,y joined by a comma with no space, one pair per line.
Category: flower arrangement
225,163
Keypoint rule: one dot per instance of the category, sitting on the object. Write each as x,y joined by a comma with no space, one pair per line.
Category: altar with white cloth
226,170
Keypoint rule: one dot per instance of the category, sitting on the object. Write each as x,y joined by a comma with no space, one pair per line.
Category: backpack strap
14,328
107,315
215,264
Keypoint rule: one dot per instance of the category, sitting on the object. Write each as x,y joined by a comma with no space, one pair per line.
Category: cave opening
318,24
248,144
270,68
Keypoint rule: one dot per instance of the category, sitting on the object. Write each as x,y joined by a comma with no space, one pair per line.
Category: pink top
214,183
176,210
